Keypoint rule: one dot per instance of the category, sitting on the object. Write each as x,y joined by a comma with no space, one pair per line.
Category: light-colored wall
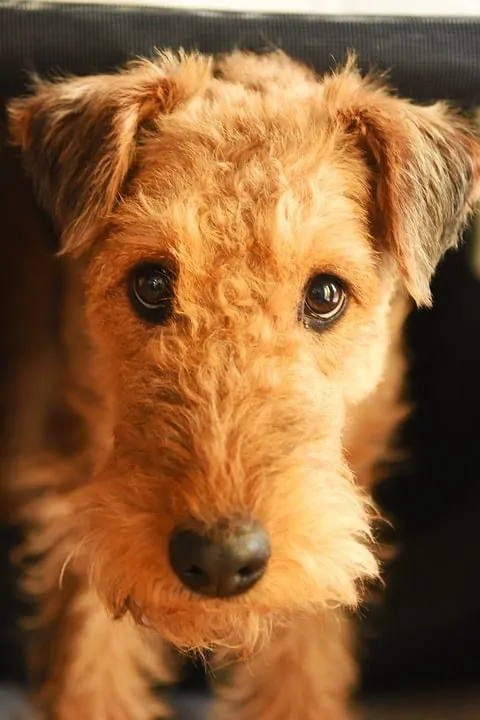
381,7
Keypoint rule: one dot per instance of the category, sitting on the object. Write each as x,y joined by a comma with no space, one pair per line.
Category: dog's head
241,229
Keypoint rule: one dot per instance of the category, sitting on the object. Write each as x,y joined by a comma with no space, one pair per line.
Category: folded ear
78,136
425,165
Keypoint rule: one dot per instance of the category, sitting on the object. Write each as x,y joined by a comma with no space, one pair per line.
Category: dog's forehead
222,179
284,129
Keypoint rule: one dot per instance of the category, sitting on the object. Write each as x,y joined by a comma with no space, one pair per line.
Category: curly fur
247,174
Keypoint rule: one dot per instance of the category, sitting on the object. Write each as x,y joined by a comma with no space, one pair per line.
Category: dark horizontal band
428,58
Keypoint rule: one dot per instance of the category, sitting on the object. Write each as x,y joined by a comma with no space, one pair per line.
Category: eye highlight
151,292
324,301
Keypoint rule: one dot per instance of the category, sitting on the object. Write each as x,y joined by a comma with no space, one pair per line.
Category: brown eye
151,292
324,301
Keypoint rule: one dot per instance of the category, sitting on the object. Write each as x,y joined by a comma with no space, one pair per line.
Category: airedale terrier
242,241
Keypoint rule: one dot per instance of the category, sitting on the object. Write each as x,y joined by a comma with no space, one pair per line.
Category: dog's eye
151,292
324,302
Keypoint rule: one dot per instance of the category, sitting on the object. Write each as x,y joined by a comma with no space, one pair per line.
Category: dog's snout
220,563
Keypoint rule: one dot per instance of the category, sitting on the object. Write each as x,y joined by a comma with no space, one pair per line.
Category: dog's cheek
367,341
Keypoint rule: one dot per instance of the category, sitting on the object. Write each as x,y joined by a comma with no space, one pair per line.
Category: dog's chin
231,630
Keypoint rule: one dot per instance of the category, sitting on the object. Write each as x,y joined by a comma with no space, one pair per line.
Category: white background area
344,7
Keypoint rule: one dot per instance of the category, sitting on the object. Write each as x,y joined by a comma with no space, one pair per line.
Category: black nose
226,561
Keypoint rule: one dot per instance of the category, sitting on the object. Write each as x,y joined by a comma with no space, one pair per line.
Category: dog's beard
319,523
226,629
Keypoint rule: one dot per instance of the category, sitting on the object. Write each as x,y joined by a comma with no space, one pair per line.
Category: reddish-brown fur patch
245,176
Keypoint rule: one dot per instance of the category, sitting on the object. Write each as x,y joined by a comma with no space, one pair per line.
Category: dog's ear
78,136
425,165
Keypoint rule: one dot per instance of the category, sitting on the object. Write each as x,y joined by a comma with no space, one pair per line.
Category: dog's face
242,230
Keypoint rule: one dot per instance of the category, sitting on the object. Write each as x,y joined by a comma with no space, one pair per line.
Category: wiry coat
246,175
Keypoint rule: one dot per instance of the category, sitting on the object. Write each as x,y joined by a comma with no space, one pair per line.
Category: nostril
250,570
245,571
195,572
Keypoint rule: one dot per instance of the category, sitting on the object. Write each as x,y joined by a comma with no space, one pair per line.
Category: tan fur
247,175
318,650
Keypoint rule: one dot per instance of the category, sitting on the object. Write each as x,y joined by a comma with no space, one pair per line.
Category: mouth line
123,609
132,608
138,614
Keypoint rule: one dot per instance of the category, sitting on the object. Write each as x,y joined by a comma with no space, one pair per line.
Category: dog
241,242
